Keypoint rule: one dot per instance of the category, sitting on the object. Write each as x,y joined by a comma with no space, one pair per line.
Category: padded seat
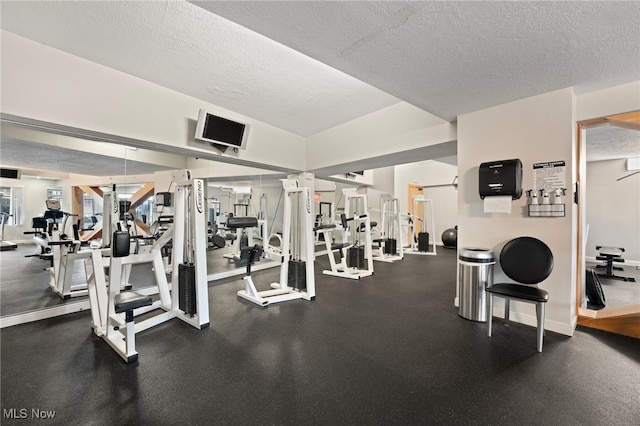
610,255
520,291
129,300
321,227
528,261
338,246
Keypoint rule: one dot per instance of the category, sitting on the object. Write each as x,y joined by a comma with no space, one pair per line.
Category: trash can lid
477,255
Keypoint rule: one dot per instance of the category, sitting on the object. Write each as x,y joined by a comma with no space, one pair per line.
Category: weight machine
4,244
44,227
113,312
62,251
423,226
355,256
65,253
297,279
325,216
388,248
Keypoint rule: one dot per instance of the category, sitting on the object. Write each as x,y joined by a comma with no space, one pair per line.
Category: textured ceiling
60,159
335,61
454,57
181,46
601,140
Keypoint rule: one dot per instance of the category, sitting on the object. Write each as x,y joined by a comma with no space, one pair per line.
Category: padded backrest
39,223
242,222
526,260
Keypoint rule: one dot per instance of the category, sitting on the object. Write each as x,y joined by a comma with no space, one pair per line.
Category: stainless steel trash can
475,273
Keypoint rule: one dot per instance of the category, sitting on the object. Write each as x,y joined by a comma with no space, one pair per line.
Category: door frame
621,320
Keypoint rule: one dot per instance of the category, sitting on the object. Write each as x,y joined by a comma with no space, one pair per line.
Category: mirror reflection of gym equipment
4,244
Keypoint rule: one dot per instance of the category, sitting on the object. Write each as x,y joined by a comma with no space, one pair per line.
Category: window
55,193
11,203
144,212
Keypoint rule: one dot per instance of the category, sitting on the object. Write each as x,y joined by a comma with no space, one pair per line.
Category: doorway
414,191
618,317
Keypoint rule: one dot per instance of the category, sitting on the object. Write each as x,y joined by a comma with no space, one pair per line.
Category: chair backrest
526,260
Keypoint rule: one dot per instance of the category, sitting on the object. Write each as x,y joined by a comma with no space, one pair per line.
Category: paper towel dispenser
501,178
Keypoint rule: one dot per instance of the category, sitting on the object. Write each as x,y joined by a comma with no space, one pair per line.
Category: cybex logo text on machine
199,196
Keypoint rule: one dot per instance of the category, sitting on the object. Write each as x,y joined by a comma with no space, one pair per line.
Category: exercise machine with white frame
64,251
424,226
4,244
346,267
113,312
297,279
389,247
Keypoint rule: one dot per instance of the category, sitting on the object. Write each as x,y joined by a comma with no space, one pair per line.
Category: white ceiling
611,143
183,47
454,57
60,159
335,61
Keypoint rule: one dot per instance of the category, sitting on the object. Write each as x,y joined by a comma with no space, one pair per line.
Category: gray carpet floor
387,349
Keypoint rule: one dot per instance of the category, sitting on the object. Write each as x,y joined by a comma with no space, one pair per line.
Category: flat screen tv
221,131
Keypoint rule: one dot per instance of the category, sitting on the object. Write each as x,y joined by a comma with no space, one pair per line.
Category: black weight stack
355,257
187,288
391,246
423,241
297,277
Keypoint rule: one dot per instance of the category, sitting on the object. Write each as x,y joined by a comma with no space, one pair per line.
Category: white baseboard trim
558,327
55,311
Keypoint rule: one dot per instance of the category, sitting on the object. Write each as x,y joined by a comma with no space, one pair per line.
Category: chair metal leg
540,316
506,308
489,313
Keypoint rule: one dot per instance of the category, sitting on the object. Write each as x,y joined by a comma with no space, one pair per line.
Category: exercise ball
450,238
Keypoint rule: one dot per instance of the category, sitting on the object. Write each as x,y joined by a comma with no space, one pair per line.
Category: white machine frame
4,244
389,212
281,291
65,254
427,218
342,269
111,326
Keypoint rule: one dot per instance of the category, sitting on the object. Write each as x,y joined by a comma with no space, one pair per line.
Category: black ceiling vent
10,173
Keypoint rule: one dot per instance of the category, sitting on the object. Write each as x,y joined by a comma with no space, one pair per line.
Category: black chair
527,261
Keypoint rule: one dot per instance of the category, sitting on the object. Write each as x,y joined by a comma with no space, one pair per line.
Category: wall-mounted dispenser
501,178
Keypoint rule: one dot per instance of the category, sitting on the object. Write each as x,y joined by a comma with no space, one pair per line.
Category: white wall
445,198
400,127
610,101
613,208
34,193
536,129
